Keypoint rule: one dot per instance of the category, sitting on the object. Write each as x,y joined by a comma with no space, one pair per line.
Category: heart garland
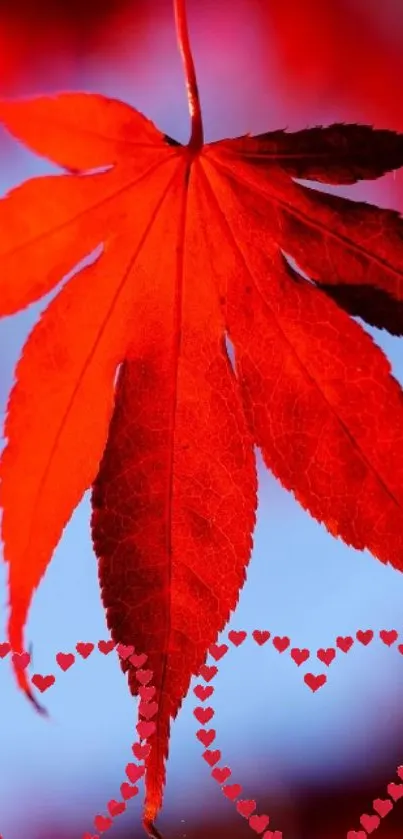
145,727
204,715
301,655
148,709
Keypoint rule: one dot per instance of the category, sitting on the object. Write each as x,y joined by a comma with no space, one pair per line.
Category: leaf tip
25,685
151,829
38,707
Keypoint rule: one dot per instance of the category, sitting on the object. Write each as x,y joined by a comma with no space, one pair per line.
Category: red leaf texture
126,383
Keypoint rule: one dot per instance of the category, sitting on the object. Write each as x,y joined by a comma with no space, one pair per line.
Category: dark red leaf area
173,509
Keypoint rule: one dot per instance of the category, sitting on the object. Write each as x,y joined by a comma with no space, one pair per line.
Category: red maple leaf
194,242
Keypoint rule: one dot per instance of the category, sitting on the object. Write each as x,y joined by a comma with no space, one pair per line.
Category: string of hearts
145,727
301,655
217,651
381,806
148,709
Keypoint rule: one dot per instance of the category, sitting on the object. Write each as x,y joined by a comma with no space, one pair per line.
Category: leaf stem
197,135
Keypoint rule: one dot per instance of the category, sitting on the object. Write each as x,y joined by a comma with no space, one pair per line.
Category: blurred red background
313,817
350,50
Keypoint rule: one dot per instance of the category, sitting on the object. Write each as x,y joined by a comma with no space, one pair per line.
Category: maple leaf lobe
336,154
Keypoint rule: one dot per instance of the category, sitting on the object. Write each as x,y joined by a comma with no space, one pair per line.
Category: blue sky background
301,582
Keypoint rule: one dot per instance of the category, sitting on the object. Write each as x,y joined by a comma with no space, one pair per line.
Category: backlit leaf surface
125,383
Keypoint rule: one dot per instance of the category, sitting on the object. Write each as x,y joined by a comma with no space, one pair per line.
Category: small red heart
344,643
43,682
236,638
124,651
232,791
141,750
355,834
146,692
400,772
221,775
400,648
326,656
277,834
245,808
281,644
127,791
106,647
86,836
21,660
116,808
102,823
395,791
65,660
370,823
315,682
218,651
144,676
365,638
145,729
4,649
203,691
206,737
260,636
212,757
258,823
148,709
134,772
203,715
138,660
84,649
383,806
207,673
299,656
388,636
